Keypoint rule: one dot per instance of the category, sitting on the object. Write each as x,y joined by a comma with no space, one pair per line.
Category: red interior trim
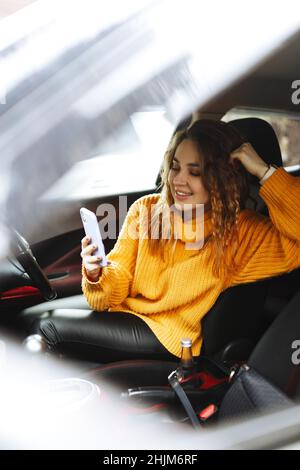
18,292
209,411
208,380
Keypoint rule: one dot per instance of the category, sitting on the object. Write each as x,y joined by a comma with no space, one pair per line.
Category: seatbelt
174,382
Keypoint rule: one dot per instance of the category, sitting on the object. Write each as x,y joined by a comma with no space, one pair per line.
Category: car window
101,173
286,126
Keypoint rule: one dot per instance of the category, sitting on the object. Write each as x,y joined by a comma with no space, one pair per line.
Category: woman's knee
43,336
47,329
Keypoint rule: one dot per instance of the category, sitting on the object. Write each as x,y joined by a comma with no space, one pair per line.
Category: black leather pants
103,337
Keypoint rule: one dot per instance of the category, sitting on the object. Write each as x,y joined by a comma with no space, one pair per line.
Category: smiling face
184,177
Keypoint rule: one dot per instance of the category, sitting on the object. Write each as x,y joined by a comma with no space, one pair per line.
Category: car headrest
263,139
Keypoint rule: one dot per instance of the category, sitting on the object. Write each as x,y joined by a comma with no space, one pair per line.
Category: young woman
172,261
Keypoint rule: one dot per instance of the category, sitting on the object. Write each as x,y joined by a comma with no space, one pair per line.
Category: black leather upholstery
251,393
236,318
272,356
272,376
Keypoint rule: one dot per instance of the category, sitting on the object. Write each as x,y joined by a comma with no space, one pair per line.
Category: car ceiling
285,64
267,86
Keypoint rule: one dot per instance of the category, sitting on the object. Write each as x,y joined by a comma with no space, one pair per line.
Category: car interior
251,324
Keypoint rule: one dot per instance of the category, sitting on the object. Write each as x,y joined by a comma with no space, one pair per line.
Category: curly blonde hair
226,184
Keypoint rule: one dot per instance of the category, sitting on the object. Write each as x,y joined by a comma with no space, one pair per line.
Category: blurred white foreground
46,404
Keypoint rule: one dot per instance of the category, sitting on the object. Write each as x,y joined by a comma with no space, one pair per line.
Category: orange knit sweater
174,294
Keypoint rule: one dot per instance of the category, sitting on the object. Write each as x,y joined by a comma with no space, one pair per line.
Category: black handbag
249,392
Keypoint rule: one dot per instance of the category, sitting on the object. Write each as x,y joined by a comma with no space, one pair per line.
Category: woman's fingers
88,250
249,158
90,261
240,152
85,241
93,259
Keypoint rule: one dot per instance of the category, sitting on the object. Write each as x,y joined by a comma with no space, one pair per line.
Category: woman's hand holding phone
91,243
90,262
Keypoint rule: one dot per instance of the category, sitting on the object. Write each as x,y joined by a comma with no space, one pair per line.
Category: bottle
186,366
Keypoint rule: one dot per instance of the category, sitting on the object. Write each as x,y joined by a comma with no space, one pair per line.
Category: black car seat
236,321
271,378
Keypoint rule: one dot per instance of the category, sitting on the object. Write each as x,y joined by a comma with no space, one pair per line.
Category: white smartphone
92,230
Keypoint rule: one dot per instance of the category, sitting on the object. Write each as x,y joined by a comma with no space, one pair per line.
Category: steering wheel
28,261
